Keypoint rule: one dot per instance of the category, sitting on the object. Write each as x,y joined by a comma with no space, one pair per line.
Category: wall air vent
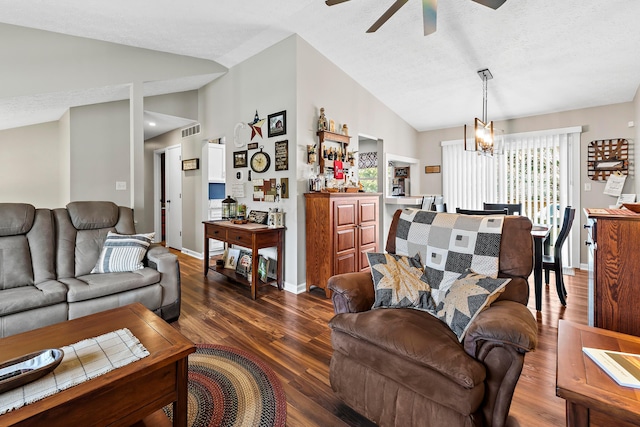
191,130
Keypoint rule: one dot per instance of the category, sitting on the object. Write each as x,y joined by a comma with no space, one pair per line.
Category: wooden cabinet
613,237
216,163
340,229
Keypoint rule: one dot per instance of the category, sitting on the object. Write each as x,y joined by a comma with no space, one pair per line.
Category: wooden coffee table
593,397
122,397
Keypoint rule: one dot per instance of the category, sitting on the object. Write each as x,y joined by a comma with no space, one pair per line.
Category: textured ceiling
545,55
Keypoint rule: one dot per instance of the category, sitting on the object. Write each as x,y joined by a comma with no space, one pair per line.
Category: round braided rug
232,388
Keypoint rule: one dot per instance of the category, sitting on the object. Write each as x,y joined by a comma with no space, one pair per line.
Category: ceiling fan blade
334,2
493,4
385,16
429,15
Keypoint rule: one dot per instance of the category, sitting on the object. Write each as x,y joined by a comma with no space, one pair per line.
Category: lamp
485,140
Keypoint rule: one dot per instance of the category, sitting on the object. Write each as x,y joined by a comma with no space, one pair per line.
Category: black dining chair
439,207
482,212
512,208
554,261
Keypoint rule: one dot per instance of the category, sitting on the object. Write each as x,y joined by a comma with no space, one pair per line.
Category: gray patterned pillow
466,298
399,282
123,252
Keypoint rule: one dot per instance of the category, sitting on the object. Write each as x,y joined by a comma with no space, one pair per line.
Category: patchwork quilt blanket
449,245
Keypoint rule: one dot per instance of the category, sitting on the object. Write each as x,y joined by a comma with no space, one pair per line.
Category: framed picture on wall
277,123
240,159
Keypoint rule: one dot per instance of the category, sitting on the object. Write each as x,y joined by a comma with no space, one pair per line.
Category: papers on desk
624,368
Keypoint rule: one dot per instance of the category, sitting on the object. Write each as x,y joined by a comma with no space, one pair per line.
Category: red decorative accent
338,170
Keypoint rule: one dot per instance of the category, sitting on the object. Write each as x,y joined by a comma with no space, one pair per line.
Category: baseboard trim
191,253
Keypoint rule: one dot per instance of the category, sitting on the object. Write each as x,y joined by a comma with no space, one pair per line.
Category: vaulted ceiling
545,55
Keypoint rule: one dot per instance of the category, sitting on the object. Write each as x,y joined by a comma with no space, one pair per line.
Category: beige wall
100,152
33,168
607,122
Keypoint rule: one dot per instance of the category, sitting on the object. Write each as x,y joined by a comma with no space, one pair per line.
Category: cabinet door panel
368,234
345,214
345,240
368,211
364,261
345,263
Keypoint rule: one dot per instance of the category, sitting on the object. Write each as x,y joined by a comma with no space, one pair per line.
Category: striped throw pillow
123,252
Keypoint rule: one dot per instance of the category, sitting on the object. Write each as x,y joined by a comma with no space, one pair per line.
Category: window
535,170
368,171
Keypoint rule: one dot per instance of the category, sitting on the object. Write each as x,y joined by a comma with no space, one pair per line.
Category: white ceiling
545,55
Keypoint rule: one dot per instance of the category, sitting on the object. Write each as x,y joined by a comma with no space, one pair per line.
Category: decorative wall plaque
282,155
606,156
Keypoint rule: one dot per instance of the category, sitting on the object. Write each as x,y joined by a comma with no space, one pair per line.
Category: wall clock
260,161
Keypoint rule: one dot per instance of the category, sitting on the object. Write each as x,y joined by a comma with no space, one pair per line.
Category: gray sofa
46,257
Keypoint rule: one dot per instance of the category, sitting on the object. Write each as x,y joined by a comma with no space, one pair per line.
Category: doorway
173,200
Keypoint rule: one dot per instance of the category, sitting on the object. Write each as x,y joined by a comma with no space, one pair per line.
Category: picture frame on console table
243,266
232,258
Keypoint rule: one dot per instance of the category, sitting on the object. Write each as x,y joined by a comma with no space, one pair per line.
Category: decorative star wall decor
256,126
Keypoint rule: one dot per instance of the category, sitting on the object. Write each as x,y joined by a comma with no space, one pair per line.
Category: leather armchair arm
352,292
499,338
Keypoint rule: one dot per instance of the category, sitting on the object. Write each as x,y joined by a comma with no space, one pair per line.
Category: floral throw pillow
399,282
466,298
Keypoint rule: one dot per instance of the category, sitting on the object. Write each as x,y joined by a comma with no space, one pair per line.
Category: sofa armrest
352,292
499,338
166,263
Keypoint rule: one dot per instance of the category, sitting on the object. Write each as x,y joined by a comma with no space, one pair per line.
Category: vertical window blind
534,170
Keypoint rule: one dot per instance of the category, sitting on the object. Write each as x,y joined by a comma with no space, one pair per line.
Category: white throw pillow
123,252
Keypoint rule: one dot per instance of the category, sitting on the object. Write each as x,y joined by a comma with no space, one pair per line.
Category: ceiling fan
429,12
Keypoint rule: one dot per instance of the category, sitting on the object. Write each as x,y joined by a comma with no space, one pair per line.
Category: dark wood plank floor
290,333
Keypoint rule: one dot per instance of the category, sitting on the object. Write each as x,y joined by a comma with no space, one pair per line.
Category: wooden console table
593,397
250,235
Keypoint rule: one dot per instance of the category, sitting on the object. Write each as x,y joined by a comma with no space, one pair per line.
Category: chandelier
486,140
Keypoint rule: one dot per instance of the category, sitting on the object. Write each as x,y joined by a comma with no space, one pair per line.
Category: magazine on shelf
624,368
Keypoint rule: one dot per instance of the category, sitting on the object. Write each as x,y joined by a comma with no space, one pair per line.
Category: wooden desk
540,235
250,235
121,397
593,397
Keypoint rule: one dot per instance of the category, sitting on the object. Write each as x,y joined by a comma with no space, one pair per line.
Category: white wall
32,166
322,84
264,82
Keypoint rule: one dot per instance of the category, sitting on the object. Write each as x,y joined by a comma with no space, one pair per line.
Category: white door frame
157,194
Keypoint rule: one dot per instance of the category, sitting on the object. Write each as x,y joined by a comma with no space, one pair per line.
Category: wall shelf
325,136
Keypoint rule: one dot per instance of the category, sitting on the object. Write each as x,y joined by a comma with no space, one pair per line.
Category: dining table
540,235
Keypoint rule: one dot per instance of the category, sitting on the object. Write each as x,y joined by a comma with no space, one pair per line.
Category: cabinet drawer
237,237
217,233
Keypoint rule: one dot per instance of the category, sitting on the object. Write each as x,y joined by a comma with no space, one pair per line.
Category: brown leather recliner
405,367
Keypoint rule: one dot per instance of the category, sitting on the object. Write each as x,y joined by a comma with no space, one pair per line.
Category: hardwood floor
290,333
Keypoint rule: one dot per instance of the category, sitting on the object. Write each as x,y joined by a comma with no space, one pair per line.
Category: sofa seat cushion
16,300
417,337
92,286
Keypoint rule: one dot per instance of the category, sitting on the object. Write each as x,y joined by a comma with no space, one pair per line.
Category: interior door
173,203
